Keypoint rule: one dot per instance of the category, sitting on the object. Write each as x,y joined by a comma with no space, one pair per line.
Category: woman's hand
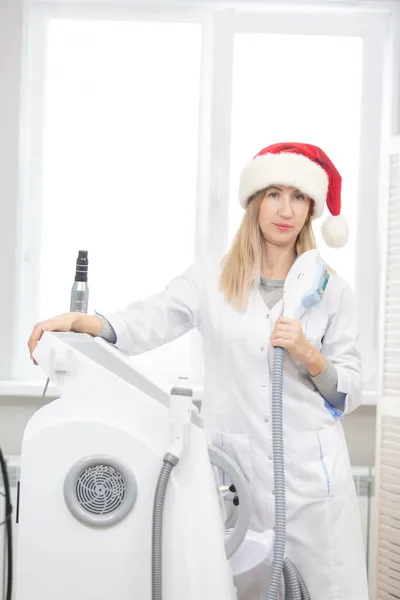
72,321
288,334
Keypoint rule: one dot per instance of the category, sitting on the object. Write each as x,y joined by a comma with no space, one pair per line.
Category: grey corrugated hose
169,462
295,588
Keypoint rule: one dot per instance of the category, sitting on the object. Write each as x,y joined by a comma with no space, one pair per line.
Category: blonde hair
242,264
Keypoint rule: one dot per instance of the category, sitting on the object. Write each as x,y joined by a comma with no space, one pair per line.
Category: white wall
15,412
14,415
10,78
359,428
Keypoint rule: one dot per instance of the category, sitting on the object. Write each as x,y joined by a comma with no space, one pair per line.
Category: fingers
286,343
284,327
285,335
293,328
35,336
285,321
37,333
287,325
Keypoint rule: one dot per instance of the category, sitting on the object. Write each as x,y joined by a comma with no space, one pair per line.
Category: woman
236,305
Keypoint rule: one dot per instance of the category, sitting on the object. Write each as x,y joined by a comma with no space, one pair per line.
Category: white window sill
31,391
26,390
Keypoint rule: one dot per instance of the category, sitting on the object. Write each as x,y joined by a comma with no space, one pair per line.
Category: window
120,157
319,103
120,137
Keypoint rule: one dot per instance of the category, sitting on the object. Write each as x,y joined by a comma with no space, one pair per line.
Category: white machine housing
107,409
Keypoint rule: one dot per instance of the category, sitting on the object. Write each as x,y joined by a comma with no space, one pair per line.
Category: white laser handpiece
305,284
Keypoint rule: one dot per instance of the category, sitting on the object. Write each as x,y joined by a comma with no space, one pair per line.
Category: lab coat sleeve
340,348
147,324
326,383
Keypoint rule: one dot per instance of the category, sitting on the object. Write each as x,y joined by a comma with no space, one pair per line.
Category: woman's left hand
288,334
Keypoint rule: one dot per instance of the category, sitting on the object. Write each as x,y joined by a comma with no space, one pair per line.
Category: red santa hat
306,168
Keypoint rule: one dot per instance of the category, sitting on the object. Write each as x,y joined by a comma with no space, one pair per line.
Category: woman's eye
299,196
273,194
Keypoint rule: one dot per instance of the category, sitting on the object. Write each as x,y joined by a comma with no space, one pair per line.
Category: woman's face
283,212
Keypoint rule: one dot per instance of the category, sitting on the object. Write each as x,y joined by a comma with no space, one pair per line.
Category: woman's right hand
71,321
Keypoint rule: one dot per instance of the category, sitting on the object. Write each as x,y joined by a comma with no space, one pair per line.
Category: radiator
364,480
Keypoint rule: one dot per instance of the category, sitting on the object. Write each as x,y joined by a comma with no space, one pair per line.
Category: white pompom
335,231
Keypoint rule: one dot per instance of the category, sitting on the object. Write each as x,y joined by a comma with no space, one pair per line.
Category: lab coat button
263,385
269,457
262,348
266,420
267,316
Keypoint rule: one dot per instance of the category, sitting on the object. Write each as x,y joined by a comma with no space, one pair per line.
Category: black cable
5,520
8,526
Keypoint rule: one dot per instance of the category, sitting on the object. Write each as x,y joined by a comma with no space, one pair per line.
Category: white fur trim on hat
335,231
285,168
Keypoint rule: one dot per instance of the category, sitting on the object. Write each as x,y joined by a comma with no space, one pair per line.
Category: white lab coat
324,537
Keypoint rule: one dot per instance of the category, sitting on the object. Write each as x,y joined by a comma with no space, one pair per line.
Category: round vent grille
100,490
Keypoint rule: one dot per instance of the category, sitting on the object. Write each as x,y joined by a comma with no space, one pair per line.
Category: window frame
219,27
374,133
